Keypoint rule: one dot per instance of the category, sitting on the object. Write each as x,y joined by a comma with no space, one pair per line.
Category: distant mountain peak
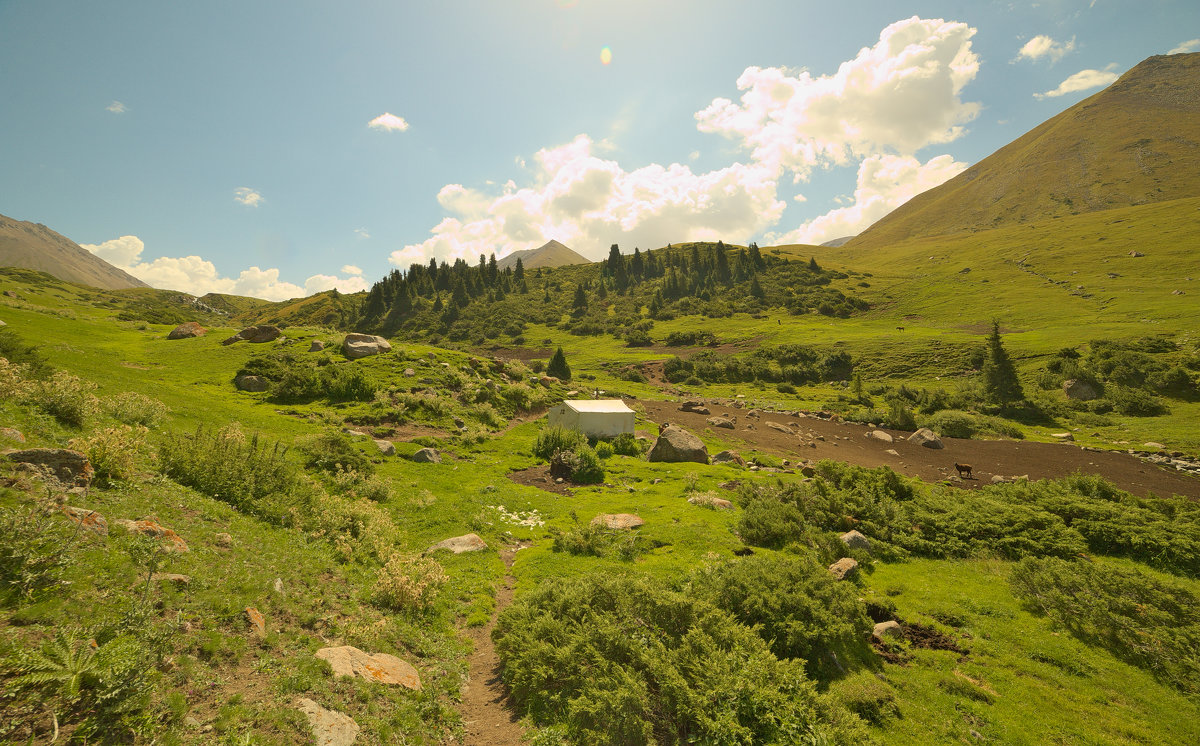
550,254
34,246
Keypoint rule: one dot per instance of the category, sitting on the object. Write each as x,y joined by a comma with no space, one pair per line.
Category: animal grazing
963,469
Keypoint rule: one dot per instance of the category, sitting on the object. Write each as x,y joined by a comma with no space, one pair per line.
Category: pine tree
519,272
1000,382
580,298
812,264
756,290
558,366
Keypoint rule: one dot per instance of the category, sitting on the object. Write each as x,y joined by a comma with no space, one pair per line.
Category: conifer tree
1000,382
558,366
519,271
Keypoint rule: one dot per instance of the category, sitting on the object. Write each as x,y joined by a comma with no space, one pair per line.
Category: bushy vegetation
627,660
792,364
298,378
35,550
115,453
569,455
409,582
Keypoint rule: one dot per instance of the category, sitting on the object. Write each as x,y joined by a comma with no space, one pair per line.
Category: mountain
834,243
1136,142
34,246
552,254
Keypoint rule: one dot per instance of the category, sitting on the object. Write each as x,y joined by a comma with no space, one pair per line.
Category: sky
280,148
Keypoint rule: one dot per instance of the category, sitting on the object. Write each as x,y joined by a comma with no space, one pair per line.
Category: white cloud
350,269
901,94
195,275
884,183
1043,46
248,196
388,123
1186,47
116,107
362,233
800,198
1081,81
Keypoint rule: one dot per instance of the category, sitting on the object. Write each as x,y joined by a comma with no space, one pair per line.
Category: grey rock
675,445
728,457
356,346
844,569
890,628
461,544
1080,390
880,435
316,346
855,540
427,456
187,330
927,438
386,447
250,383
329,728
724,422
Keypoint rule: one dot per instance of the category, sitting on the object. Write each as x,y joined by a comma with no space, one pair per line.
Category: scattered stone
1080,390
808,471
330,728
277,586
880,435
1135,252
68,467
357,346
711,501
409,373
997,479
427,456
1177,292
386,447
1154,446
316,346
460,544
675,445
187,330
844,568
11,293
855,540
696,407
380,667
728,457
926,437
12,434
617,520
253,384
459,422
152,528
257,624
780,427
224,540
90,520
191,722
890,628
171,577
892,451
255,335
1066,437
724,422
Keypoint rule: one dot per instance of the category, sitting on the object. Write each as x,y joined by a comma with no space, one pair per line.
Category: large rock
855,540
617,520
357,346
316,346
880,435
695,407
427,456
890,628
711,501
258,624
152,528
68,467
251,383
460,544
380,667
329,728
926,437
724,422
386,447
676,445
780,427
728,457
844,569
89,520
1080,390
187,330
255,335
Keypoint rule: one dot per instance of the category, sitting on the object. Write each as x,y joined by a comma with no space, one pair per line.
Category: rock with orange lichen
151,527
381,668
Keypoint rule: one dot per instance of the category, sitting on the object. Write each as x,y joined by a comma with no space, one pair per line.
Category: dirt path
488,718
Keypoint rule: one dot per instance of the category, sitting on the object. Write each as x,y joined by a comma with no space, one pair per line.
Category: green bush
770,523
66,397
226,464
866,696
605,449
35,549
626,444
333,451
952,423
553,439
115,453
626,660
1135,402
588,468
132,408
14,350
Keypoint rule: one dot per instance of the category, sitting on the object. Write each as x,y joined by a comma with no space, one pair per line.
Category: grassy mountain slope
34,246
1136,142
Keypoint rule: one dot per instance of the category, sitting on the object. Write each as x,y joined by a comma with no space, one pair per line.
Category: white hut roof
598,405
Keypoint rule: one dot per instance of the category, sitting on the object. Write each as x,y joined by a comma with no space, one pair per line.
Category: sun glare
605,56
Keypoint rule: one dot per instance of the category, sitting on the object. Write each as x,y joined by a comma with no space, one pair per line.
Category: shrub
770,523
866,696
14,350
1135,402
594,540
604,449
626,444
35,549
588,469
362,486
558,367
333,451
242,471
952,423
132,408
115,453
638,338
13,384
409,582
554,439
66,397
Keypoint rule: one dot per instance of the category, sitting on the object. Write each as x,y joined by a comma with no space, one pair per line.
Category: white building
600,418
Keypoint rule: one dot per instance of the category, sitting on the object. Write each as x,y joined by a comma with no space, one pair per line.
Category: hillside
1134,143
551,254
34,246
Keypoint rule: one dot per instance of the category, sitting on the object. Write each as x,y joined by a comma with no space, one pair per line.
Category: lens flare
605,56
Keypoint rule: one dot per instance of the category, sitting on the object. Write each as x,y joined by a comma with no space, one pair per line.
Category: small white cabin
599,418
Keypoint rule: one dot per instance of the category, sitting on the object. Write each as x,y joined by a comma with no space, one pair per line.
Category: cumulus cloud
901,94
588,203
195,275
116,107
350,269
884,183
1187,46
247,196
1081,81
388,123
1043,46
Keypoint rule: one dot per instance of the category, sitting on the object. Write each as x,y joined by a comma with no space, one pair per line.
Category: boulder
409,373
1065,437
187,330
253,384
724,422
89,520
356,346
695,407
151,527
890,628
258,624
617,520
316,346
711,501
277,586
926,437
676,445
329,728
255,335
844,569
855,540
67,466
11,433
880,435
380,668
386,447
728,457
427,456
1080,390
1151,445
461,544
223,540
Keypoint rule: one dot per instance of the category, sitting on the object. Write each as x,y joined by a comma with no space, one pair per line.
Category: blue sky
229,146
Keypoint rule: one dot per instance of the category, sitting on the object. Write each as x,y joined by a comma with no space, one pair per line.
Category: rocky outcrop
844,569
427,456
356,346
380,668
618,520
890,628
67,466
1080,390
89,520
927,438
173,542
252,384
461,544
855,540
724,422
676,445
386,447
780,427
728,457
187,330
255,335
329,728
316,346
880,435
695,407
258,625
711,501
